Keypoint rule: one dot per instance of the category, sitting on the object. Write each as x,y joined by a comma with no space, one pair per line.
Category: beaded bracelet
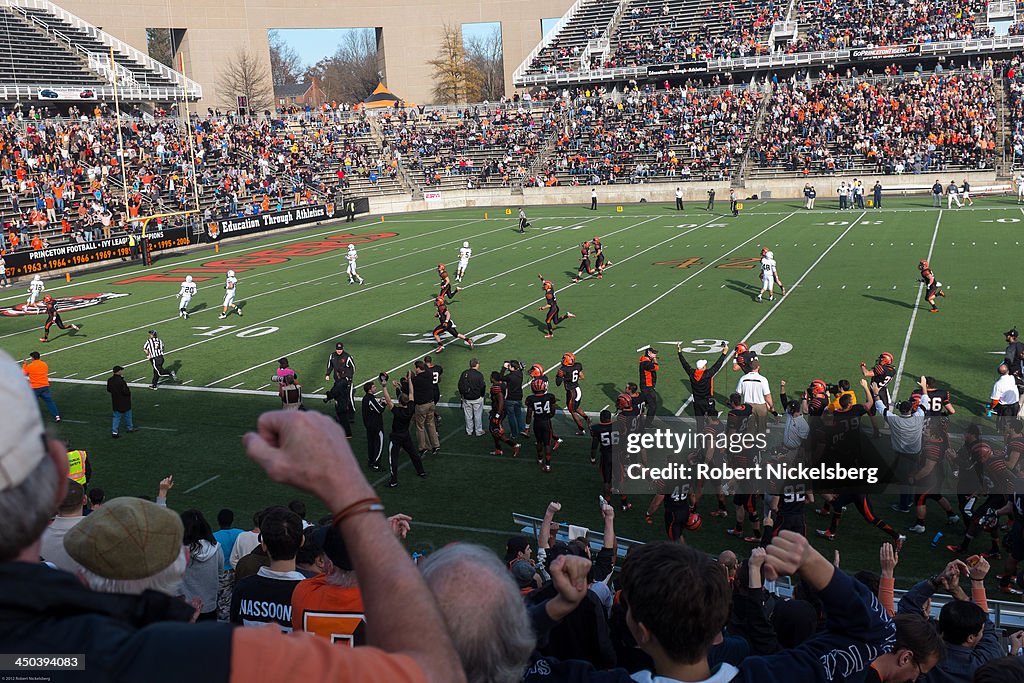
372,504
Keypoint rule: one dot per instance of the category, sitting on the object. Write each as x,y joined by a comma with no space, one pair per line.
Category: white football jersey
36,286
230,283
351,256
188,289
465,253
768,266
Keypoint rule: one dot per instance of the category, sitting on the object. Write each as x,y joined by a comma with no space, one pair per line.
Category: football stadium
617,340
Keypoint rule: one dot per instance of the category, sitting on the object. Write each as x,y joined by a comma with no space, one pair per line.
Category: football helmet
885,358
568,358
231,273
694,521
741,348
623,402
538,386
923,264
536,370
188,278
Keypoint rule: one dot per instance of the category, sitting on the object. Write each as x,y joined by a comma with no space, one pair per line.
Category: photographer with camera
512,376
837,391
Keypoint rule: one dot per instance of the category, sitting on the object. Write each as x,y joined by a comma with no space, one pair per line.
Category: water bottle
936,539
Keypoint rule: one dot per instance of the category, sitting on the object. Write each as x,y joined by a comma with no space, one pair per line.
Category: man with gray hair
493,631
43,606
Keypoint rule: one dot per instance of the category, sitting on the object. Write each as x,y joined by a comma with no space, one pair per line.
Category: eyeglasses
920,673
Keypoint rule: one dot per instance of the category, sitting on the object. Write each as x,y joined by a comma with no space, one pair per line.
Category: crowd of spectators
842,24
142,590
684,132
1015,104
483,143
893,125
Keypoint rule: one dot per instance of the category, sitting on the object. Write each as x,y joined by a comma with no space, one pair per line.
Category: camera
513,365
382,377
834,388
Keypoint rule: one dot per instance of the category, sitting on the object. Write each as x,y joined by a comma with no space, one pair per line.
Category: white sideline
913,314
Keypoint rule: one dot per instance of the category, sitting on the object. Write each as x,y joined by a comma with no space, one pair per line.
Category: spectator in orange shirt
330,604
38,373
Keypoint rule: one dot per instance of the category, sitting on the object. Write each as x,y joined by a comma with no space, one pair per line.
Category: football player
744,357
185,294
767,276
863,505
745,504
932,285
930,478
604,438
569,375
231,288
446,324
35,289
679,512
351,257
787,509
540,409
446,283
497,416
985,464
464,255
599,263
53,318
881,374
584,262
551,306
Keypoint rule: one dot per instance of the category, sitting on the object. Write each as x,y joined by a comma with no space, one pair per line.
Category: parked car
87,94
48,94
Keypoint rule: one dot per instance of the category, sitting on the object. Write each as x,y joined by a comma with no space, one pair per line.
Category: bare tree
285,63
158,44
350,74
245,75
454,77
485,57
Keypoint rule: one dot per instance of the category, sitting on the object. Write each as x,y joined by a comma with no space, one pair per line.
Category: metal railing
774,61
547,40
1002,9
184,84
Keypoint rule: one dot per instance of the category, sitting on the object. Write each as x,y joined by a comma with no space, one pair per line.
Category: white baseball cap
701,364
18,456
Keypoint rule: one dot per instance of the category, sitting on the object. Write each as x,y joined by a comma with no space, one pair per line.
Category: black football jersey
737,420
569,375
542,406
605,436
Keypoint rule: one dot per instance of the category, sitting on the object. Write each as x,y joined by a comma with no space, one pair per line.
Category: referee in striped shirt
154,348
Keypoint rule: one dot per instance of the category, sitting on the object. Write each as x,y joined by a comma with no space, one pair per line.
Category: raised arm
310,452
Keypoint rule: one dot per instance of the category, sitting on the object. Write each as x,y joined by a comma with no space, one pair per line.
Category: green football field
687,277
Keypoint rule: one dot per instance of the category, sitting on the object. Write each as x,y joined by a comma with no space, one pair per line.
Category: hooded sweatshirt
202,576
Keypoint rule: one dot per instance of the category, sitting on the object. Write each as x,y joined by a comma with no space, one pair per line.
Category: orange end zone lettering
160,278
683,263
740,263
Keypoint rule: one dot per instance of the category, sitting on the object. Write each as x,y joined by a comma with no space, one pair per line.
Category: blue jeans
43,393
116,425
516,425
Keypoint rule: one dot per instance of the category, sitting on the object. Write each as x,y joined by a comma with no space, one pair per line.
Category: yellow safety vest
76,466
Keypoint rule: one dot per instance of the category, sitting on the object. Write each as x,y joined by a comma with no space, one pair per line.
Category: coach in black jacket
702,381
121,398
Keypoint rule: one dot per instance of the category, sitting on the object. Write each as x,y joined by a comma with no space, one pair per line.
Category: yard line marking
303,309
571,284
233,254
235,386
203,483
789,290
262,387
159,429
913,314
77,422
456,527
75,373
134,380
318,390
407,308
188,381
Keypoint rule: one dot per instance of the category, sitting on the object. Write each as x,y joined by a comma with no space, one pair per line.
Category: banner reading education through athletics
271,220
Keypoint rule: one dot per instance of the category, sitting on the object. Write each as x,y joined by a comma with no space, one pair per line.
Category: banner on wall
885,52
677,68
225,228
